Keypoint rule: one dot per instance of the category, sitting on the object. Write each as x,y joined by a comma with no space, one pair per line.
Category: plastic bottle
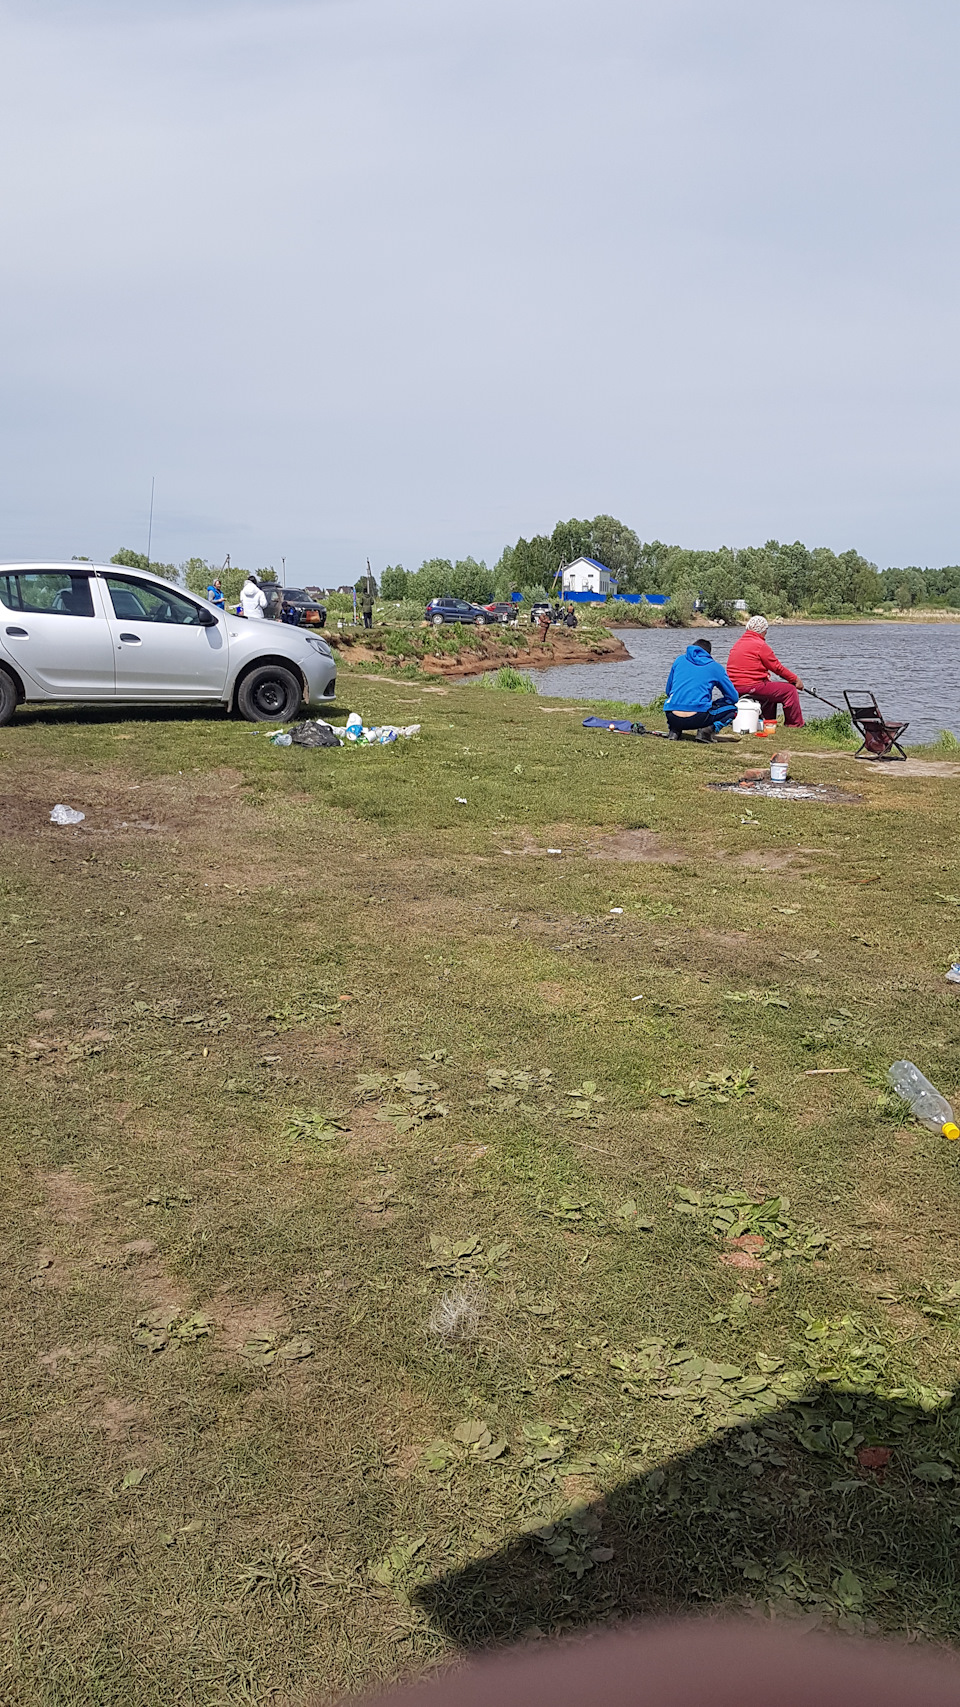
925,1100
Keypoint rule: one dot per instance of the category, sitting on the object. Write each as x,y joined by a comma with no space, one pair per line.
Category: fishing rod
819,696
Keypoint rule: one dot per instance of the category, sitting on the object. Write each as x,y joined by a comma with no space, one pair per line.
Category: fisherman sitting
752,664
690,703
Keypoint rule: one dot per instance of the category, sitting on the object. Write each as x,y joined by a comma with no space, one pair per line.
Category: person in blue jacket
215,593
690,703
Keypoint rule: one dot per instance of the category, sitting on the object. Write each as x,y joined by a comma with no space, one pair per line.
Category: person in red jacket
751,666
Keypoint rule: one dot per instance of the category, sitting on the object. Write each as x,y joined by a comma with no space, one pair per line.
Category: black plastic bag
314,734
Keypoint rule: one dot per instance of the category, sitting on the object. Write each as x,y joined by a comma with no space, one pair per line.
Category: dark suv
457,610
302,608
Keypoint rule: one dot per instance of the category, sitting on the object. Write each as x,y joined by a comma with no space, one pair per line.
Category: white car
85,632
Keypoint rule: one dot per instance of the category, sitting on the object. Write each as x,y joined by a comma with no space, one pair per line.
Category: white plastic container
748,718
778,770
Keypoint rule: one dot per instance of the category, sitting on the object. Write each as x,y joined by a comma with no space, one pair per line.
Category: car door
53,627
163,648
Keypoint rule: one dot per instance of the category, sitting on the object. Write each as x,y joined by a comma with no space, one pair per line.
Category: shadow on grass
92,716
840,1508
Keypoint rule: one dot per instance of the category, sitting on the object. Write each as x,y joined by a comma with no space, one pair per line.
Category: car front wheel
8,697
481,622
269,694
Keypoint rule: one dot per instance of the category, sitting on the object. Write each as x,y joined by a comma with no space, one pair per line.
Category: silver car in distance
86,632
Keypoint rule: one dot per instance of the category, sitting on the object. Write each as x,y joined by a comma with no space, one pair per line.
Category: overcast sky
412,277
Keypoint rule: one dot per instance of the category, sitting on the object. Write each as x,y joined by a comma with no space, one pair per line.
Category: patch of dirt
555,995
138,1248
47,1270
643,845
755,859
155,1290
238,1323
85,1358
69,1199
739,1259
728,939
809,792
581,1490
119,1419
899,767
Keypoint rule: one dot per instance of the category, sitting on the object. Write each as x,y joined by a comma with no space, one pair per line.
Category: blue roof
592,562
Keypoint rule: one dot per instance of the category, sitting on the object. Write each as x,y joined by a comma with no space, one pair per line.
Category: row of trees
773,578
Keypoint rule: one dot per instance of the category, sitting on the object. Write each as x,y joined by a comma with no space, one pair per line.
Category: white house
585,575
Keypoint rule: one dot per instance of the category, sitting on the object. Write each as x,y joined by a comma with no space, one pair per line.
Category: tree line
775,579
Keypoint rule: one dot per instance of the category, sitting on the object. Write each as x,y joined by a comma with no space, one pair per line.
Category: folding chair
880,737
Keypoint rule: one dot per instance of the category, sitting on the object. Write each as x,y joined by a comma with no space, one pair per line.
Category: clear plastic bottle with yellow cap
925,1100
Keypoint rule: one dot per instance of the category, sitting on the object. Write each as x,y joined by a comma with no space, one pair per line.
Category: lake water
912,667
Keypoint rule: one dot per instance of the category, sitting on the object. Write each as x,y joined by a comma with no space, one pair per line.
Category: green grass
215,994
510,680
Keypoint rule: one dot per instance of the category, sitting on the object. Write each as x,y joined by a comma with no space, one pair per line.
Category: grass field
414,1237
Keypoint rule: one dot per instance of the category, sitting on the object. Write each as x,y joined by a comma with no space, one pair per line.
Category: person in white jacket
253,599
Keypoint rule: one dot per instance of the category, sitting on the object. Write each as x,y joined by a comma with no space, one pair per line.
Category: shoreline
460,666
921,618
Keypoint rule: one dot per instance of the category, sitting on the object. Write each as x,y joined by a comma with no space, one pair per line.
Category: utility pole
153,480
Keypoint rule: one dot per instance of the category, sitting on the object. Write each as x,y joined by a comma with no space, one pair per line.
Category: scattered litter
819,1072
66,815
953,975
926,1102
460,800
280,738
616,909
636,998
554,850
455,1316
379,734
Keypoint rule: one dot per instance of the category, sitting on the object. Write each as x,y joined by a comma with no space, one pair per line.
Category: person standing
690,703
366,606
253,599
751,666
215,593
570,620
543,623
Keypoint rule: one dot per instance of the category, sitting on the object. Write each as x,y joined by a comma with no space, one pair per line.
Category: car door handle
132,639
18,633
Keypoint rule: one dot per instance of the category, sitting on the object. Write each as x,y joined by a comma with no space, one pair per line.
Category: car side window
139,601
47,592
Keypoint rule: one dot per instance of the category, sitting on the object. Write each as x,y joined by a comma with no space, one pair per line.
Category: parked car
503,611
301,607
457,610
92,633
538,610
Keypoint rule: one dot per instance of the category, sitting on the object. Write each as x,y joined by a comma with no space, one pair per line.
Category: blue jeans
718,716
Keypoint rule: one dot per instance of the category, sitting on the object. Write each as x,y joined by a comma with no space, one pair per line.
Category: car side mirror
208,619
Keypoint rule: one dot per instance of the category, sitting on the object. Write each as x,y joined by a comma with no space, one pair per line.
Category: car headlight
318,645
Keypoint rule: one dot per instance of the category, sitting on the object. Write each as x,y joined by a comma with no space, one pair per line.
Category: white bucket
778,770
748,718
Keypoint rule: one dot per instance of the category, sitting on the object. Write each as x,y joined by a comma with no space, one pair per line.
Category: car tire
480,622
437,620
269,694
8,696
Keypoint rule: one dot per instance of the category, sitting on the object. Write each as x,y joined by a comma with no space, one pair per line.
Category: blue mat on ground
621,726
